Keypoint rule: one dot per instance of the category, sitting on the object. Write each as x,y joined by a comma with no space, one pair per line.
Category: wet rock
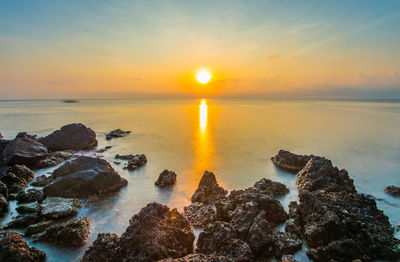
393,190
289,161
276,189
70,137
134,161
3,204
155,233
23,221
102,150
37,228
74,233
208,190
166,178
29,208
104,248
197,258
14,249
3,190
15,177
31,195
117,133
290,259
199,214
285,243
295,223
24,149
53,159
83,176
22,171
42,181
57,208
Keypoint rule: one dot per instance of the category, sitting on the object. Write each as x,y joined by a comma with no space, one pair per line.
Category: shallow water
233,138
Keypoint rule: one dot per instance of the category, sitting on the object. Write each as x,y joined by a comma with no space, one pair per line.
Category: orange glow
203,115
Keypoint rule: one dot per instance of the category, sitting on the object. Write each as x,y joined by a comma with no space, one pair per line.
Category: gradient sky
105,49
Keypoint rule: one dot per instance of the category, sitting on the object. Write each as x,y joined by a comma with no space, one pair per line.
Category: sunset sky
105,49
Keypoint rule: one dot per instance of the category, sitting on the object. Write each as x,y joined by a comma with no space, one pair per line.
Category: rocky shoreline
331,218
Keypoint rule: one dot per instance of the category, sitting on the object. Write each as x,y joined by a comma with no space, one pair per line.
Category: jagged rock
393,190
3,190
285,244
3,204
295,223
22,171
117,133
289,161
199,214
102,150
276,189
57,208
155,233
14,249
15,177
29,208
290,259
197,258
53,159
83,176
208,191
37,228
23,221
104,248
24,149
42,180
3,144
134,161
31,195
70,137
166,178
74,233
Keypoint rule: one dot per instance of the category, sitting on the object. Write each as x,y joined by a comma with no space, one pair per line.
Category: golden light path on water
203,115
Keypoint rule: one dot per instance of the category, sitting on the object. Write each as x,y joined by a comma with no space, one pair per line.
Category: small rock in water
23,221
57,208
14,249
289,161
102,150
42,180
31,195
117,133
134,161
166,178
393,190
37,228
29,208
53,159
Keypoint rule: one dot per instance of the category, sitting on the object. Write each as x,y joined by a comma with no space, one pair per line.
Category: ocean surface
235,139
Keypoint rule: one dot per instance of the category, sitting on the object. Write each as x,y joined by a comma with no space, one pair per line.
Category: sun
203,76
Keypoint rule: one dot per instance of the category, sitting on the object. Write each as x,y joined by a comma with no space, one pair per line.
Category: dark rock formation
295,223
393,190
3,144
70,137
208,190
166,178
24,149
3,190
23,221
285,243
197,258
289,161
134,161
57,208
3,204
273,188
15,177
117,133
83,176
29,208
53,159
102,150
14,249
155,233
199,214
30,195
37,228
74,233
42,180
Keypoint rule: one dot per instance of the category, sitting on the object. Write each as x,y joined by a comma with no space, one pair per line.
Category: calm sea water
233,138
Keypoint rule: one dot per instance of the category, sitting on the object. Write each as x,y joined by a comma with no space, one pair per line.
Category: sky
128,49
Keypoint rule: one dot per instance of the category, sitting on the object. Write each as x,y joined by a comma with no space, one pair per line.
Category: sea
233,138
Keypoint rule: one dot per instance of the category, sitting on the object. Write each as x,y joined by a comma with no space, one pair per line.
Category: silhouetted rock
37,228
199,214
208,190
3,204
289,161
134,161
155,233
83,176
14,249
70,137
42,180
393,190
117,133
57,208
53,159
74,233
24,149
31,195
166,178
197,258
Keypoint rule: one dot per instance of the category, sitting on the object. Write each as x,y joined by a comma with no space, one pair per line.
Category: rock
285,243
15,177
134,161
57,208
37,228
31,195
197,258
29,208
276,189
295,223
166,178
22,171
1,136
208,190
340,224
74,233
3,190
3,204
117,133
24,149
42,180
23,221
53,159
289,259
14,249
393,190
83,176
199,214
155,233
289,161
104,248
3,144
70,137
102,150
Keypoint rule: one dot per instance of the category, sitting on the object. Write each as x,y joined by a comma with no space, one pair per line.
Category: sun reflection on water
203,115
